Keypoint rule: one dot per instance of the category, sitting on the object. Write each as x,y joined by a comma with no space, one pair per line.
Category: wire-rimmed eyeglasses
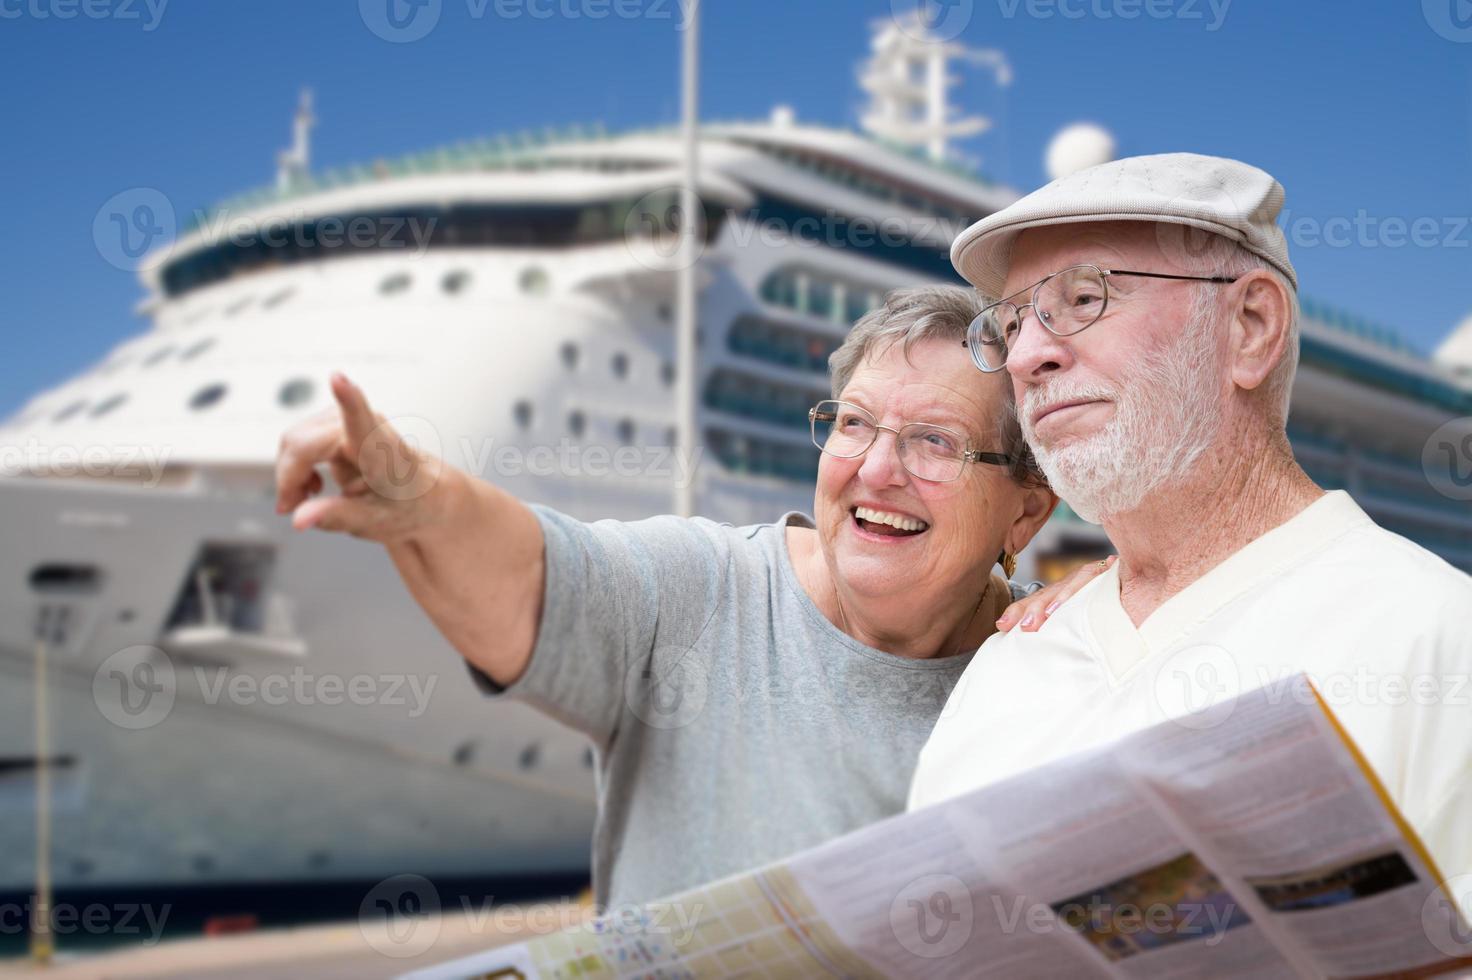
930,452
1065,303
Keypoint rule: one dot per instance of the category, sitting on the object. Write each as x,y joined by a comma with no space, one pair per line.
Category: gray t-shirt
733,723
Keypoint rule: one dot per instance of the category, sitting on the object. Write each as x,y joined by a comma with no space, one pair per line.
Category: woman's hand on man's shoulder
1031,612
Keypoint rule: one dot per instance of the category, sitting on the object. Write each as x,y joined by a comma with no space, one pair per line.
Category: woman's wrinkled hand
1031,612
384,482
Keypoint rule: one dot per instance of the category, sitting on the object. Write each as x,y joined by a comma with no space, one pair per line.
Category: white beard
1167,412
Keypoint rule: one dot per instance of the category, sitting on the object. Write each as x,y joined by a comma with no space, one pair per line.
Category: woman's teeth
899,521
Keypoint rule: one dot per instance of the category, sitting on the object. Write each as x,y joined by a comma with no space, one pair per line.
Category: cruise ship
233,703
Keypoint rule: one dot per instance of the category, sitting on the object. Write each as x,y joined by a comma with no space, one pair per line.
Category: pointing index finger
358,420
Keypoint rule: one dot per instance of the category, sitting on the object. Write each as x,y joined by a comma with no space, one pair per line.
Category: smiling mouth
887,523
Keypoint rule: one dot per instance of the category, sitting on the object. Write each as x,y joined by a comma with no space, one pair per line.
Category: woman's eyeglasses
930,452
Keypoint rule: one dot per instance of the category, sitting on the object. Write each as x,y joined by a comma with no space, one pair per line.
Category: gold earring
1008,561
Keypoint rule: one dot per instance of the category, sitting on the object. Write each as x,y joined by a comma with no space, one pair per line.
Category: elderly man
1150,330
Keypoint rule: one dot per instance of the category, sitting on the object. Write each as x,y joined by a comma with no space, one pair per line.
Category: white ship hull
262,768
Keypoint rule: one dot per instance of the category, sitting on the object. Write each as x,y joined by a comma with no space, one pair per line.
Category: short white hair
943,313
1220,256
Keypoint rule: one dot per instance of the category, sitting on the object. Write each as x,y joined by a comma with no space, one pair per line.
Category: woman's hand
470,553
1031,612
384,482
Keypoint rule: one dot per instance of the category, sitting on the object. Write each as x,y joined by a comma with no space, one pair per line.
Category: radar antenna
908,81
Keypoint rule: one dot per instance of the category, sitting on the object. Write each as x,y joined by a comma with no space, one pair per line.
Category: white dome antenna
1077,147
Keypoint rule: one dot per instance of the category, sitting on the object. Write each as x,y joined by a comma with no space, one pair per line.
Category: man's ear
1259,327
1038,504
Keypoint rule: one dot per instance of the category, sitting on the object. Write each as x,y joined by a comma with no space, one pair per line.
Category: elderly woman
750,691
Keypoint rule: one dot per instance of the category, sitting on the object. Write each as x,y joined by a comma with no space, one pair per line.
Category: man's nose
1036,350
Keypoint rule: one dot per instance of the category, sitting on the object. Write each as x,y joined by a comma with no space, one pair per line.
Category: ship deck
341,950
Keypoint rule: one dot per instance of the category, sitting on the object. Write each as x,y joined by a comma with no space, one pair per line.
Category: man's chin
1080,475
1069,446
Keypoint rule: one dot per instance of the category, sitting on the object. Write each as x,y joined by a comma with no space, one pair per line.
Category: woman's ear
1038,504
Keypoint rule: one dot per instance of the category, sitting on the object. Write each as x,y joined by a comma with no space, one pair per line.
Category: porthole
667,373
158,355
108,405
237,306
206,396
666,312
455,282
620,365
534,281
626,432
69,411
569,355
396,283
529,756
276,299
297,391
196,349
577,423
522,412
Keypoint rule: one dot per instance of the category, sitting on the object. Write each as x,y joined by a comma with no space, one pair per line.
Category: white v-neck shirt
1382,626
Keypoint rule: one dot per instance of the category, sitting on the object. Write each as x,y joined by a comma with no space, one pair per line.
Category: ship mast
908,80
293,165
690,220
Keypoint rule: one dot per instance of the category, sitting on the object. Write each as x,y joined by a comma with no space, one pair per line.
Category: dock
340,951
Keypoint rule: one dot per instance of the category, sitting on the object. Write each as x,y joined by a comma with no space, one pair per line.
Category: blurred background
471,207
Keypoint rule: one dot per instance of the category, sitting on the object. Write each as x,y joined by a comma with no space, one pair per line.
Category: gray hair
1220,256
943,313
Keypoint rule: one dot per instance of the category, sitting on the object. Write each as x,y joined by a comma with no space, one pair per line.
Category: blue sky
1363,111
